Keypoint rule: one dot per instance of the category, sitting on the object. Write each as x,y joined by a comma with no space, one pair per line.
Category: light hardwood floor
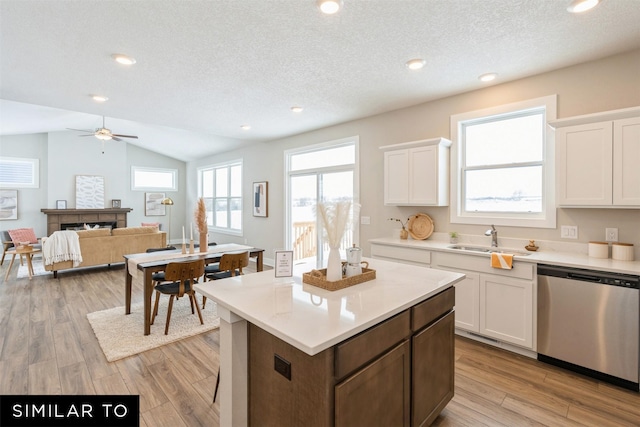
48,347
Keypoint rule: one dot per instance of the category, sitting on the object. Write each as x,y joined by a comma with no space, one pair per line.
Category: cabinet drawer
401,254
482,264
431,309
367,345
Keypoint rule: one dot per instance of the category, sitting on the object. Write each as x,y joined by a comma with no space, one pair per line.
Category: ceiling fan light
329,7
579,6
103,136
123,59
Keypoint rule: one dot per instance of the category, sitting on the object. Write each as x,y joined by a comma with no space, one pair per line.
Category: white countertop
313,319
544,255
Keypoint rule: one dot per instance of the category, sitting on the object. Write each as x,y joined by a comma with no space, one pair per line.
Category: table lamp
168,202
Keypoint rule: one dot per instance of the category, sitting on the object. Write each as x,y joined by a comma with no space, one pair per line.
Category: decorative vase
204,245
334,265
404,234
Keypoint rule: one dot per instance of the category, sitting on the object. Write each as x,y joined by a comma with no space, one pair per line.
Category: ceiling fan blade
124,136
87,135
115,138
82,130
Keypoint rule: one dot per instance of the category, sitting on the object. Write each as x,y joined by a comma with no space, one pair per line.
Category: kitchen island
296,354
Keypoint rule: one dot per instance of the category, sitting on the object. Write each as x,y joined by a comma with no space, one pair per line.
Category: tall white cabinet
597,158
417,173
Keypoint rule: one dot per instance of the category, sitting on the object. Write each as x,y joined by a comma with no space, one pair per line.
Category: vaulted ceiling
206,67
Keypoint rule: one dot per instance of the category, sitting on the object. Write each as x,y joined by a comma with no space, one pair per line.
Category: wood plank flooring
48,347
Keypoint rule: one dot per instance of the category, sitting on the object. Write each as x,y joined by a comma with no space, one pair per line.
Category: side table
28,253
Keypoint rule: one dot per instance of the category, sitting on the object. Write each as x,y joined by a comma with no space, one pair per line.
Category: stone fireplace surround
60,219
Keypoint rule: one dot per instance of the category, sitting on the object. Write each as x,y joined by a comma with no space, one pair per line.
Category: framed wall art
260,199
152,205
8,204
116,203
61,204
89,192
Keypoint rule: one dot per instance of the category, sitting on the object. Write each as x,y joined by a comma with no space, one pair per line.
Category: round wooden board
420,226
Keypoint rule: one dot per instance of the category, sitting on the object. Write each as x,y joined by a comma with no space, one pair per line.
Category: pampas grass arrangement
200,217
334,220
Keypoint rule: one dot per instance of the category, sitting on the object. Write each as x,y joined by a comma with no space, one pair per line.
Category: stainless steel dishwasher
589,322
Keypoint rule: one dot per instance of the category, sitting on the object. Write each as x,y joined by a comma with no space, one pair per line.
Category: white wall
607,84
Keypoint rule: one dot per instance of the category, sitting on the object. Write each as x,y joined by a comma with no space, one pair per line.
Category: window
325,172
154,179
19,172
221,188
502,160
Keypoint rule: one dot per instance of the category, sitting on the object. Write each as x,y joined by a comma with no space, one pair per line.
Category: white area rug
38,268
122,335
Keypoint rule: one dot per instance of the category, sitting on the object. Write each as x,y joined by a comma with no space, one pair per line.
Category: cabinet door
423,175
468,302
626,162
396,177
433,370
584,164
506,309
377,395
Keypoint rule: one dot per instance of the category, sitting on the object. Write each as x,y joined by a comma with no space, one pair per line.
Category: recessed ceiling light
415,64
123,59
329,7
487,77
245,127
578,6
99,98
297,109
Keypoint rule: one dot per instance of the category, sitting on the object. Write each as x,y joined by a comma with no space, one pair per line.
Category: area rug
38,268
122,335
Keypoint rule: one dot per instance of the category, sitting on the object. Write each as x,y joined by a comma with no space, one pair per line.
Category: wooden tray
319,278
420,226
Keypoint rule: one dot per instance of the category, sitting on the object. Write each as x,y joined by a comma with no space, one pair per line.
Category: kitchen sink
488,249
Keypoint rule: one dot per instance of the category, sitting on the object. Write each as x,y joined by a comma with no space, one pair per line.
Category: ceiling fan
104,134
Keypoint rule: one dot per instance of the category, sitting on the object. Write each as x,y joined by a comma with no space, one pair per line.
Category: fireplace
63,219
92,225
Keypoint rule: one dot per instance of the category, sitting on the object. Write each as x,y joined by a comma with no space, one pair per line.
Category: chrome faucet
494,236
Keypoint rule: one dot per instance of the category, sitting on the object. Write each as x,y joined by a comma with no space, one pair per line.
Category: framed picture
8,204
260,198
116,203
89,192
61,204
152,205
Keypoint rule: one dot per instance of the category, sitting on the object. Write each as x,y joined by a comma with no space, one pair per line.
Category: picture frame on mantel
260,199
116,203
61,204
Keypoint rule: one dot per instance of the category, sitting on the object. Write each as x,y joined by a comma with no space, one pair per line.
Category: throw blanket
62,246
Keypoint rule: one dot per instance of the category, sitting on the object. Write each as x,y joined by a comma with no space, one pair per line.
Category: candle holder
184,248
192,246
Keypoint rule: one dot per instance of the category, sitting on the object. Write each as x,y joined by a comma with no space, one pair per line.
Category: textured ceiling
204,68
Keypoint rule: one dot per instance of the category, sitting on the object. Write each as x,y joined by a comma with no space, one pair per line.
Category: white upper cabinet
417,173
597,158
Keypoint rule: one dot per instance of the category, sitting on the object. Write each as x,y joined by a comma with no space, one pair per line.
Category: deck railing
305,240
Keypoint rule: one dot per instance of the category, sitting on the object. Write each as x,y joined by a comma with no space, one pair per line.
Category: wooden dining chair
158,277
230,266
181,276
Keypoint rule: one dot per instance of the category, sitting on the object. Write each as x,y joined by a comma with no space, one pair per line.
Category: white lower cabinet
506,309
494,303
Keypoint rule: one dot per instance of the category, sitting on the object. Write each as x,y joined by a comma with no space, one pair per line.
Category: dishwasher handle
584,277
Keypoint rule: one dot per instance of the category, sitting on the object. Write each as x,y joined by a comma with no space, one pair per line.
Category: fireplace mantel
55,217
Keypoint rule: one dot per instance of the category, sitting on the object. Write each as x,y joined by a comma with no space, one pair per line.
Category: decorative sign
284,264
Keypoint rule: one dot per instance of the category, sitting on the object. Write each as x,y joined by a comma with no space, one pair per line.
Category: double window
503,163
221,188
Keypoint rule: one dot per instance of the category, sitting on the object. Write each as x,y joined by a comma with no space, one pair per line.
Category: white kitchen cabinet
506,309
596,159
417,173
494,303
380,249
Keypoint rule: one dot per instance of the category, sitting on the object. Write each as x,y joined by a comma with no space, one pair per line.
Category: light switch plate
569,231
365,220
611,234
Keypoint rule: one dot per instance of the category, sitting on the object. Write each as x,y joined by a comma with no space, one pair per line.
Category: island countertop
313,319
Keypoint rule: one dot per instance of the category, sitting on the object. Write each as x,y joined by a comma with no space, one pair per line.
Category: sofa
108,246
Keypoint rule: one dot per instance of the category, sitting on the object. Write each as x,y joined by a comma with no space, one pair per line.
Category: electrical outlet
365,220
569,231
611,234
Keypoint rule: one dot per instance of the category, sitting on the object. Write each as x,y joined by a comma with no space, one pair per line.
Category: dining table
144,265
